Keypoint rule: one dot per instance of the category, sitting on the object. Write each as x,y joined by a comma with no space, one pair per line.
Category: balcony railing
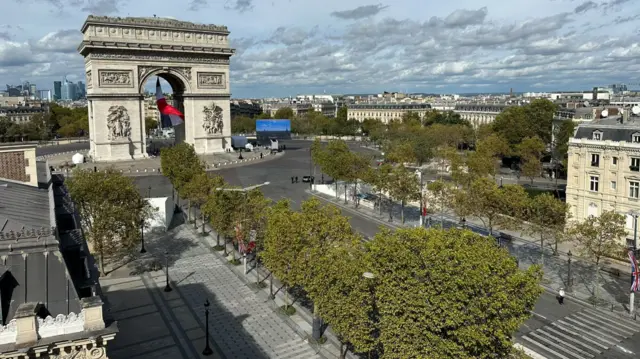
634,168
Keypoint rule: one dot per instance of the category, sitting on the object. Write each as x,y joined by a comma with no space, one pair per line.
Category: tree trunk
101,260
345,194
541,251
336,183
286,297
218,239
380,203
343,350
402,211
226,253
355,191
203,223
188,210
316,327
271,286
255,258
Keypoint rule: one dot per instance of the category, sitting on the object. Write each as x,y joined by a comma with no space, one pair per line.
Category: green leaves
601,236
111,210
180,164
438,295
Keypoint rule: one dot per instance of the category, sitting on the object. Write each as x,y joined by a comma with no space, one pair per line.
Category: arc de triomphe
121,54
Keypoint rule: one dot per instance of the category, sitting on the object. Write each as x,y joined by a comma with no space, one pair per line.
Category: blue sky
289,47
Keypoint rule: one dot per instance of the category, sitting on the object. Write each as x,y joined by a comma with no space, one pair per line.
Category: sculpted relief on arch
213,122
118,123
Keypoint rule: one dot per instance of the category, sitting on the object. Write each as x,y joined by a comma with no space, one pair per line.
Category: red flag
167,110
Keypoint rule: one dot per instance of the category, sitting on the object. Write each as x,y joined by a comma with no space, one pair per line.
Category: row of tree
396,296
58,121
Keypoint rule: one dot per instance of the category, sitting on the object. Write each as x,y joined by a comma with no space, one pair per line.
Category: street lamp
149,192
142,248
207,349
569,279
167,287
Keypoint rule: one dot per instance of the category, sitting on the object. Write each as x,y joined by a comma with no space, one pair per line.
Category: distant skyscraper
32,90
57,90
81,90
69,91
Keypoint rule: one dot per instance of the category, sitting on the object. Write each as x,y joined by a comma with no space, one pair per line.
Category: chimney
18,163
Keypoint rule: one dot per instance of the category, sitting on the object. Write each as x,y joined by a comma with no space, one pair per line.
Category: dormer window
597,135
635,138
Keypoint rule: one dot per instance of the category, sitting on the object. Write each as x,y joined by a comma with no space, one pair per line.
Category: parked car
307,179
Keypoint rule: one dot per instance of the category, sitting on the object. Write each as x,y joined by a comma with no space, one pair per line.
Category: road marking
586,333
538,315
627,324
626,351
591,326
559,347
545,348
550,329
528,351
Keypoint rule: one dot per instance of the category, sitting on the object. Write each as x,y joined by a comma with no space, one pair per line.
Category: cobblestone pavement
241,324
611,290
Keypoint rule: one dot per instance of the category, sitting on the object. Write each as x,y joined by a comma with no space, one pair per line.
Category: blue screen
273,125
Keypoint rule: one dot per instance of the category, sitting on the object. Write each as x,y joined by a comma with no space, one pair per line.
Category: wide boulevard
554,331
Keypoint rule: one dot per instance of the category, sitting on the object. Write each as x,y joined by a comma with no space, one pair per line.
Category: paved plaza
156,324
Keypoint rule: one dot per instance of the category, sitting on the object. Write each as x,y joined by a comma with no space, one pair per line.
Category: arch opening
157,127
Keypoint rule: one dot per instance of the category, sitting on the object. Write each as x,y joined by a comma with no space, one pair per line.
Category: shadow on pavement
166,325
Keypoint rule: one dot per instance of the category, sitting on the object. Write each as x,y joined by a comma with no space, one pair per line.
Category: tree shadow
153,323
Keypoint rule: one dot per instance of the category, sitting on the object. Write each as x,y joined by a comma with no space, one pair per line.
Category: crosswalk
582,335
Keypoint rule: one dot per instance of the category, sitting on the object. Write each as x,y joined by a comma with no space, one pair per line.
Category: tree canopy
437,295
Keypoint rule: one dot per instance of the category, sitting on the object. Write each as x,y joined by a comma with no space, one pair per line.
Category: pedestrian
561,296
296,179
260,155
291,179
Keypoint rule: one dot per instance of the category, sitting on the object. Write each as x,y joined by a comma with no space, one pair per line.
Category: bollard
145,170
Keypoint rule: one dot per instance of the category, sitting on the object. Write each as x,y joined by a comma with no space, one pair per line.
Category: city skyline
364,47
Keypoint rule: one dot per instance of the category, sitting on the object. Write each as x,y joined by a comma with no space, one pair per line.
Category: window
635,138
595,160
597,135
593,183
615,161
635,164
634,189
614,185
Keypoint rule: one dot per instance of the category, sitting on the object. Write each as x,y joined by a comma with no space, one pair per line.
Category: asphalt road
51,150
554,330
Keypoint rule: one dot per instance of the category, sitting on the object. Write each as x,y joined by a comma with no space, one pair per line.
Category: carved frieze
158,56
155,22
89,80
115,78
213,122
118,123
211,80
28,233
80,352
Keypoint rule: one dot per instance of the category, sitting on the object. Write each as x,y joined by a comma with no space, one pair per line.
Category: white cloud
285,47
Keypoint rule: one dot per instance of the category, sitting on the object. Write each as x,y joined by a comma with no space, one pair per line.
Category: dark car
307,179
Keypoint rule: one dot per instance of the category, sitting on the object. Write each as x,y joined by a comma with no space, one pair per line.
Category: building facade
298,108
384,112
479,114
51,305
245,108
604,169
57,90
21,114
328,109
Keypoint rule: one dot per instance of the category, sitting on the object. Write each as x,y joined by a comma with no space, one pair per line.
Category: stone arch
121,54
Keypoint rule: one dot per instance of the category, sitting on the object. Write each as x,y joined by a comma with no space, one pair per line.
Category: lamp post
635,248
370,277
207,349
167,287
142,248
569,279
149,192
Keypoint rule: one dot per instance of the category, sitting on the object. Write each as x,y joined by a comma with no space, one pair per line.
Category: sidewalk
151,165
157,324
612,291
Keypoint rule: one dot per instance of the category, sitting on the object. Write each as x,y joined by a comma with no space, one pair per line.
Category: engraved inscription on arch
211,80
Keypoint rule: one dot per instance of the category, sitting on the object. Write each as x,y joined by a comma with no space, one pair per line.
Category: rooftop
154,22
23,207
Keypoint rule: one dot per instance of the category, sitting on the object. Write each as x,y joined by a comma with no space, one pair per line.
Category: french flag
170,116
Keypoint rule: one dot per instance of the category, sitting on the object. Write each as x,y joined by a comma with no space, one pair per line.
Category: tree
379,178
180,164
440,194
530,151
540,113
342,114
284,112
336,163
282,245
198,190
221,208
358,164
344,299
111,210
150,124
598,237
403,187
263,116
243,124
513,125
492,205
560,146
546,217
447,294
320,228
484,161
253,212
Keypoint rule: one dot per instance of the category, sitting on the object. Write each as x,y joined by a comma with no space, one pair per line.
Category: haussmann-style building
50,298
